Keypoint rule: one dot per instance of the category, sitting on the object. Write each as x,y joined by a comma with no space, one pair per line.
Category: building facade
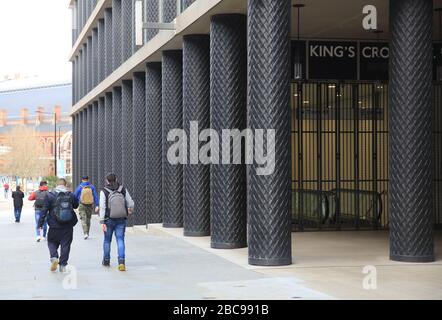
355,117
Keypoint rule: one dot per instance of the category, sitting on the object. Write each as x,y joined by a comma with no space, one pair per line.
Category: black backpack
64,209
40,199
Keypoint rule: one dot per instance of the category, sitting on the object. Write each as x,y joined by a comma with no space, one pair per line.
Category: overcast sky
35,38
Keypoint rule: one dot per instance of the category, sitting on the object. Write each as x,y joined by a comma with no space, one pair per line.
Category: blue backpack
64,209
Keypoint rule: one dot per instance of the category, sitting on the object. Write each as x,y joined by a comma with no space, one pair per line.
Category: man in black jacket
61,219
17,197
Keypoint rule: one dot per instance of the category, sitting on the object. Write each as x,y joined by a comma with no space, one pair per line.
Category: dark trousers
60,238
17,213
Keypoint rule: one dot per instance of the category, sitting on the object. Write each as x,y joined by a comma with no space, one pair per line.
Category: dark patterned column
89,141
94,142
187,3
139,143
127,151
153,142
269,109
80,74
84,13
82,142
108,134
169,10
101,146
116,29
228,102
80,15
172,118
74,87
196,107
94,57
117,131
89,64
101,51
108,42
84,78
74,150
151,15
75,23
411,136
126,28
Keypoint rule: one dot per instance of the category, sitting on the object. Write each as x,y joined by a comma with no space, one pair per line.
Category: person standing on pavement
115,206
17,198
6,189
59,208
88,200
39,198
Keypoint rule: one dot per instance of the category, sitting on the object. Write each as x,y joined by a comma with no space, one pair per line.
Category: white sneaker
86,236
38,239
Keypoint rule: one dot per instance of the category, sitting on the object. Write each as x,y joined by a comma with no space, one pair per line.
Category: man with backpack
39,198
88,199
59,208
115,206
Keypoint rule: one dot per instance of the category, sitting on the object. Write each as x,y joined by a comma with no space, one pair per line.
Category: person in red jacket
39,198
6,187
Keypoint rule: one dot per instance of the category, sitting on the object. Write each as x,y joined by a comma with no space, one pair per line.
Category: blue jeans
17,214
119,227
45,224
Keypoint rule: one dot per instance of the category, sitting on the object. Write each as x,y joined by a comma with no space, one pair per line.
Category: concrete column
228,102
411,164
101,51
117,30
127,154
95,142
151,13
172,118
116,131
196,108
94,57
109,59
101,146
169,10
153,142
139,143
269,195
108,134
126,28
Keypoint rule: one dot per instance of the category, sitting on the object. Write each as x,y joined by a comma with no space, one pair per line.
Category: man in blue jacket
59,208
88,199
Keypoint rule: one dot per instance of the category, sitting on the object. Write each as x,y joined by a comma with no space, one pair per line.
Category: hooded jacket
94,192
49,212
33,195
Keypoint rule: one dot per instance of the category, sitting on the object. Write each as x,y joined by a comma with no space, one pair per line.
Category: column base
225,245
196,233
172,225
401,258
270,262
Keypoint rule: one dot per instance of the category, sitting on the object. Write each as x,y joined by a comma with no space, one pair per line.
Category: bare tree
26,157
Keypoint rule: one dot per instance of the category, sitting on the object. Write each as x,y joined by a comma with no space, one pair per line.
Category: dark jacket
49,206
18,198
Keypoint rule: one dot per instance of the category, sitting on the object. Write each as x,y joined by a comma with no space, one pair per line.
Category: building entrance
340,155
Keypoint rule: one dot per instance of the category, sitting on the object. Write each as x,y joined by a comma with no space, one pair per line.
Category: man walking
59,208
17,197
88,200
115,206
39,198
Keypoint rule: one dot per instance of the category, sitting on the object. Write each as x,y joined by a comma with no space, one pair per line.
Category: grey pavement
158,267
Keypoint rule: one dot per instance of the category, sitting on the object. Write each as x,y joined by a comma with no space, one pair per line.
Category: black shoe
106,263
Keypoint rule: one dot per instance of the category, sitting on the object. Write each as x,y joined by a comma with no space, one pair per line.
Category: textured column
74,87
101,51
269,108
108,42
116,29
94,57
84,78
411,137
84,14
126,28
153,142
75,79
74,149
94,141
127,151
151,15
172,118
228,102
89,64
101,146
82,165
80,15
139,143
80,74
89,141
187,3
108,134
169,10
196,107
117,131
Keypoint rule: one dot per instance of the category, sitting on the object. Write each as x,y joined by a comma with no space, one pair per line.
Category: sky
35,38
